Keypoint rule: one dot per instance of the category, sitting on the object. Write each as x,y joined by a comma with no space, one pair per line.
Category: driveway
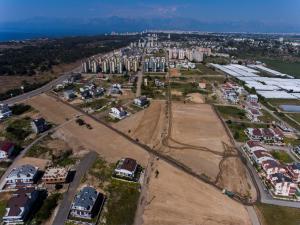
81,169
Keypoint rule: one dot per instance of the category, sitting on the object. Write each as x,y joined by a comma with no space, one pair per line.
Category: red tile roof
6,145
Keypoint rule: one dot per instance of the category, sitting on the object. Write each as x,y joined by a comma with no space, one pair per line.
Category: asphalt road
24,151
265,196
81,168
45,88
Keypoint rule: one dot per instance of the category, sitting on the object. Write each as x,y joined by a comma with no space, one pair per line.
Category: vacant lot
101,139
231,112
176,198
277,215
146,125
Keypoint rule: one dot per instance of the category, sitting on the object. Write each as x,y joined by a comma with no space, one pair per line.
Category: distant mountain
71,26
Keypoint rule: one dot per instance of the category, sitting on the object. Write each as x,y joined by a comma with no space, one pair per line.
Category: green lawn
95,104
206,70
237,129
282,156
18,130
278,215
44,213
291,68
295,116
231,112
278,102
123,196
266,117
2,208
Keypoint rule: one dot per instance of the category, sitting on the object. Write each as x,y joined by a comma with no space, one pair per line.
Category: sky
266,11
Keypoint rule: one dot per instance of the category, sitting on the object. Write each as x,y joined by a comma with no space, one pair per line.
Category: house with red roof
6,149
293,171
282,185
272,166
20,205
260,156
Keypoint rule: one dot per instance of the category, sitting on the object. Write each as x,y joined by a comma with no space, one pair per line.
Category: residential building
22,176
6,149
20,205
259,156
141,101
254,134
126,168
69,94
272,166
253,114
252,98
39,125
87,203
55,175
282,185
4,111
252,146
118,112
294,172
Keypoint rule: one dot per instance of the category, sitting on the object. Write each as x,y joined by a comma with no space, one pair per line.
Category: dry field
101,139
196,98
176,198
11,82
146,125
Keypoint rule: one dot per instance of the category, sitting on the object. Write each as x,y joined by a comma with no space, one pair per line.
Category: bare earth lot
173,197
106,142
11,82
146,125
176,198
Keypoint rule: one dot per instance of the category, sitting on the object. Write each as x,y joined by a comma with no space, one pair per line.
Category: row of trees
42,56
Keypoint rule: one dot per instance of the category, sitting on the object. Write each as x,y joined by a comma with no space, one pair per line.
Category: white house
260,156
252,146
127,168
271,167
20,205
22,176
253,114
141,101
6,149
87,203
254,134
4,111
282,185
118,112
294,172
252,98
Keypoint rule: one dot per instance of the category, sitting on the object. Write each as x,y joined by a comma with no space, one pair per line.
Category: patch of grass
187,72
231,112
49,204
238,129
64,159
287,120
102,171
282,156
278,102
266,117
291,68
37,150
2,208
206,70
295,116
19,109
124,197
95,104
278,215
19,129
291,141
